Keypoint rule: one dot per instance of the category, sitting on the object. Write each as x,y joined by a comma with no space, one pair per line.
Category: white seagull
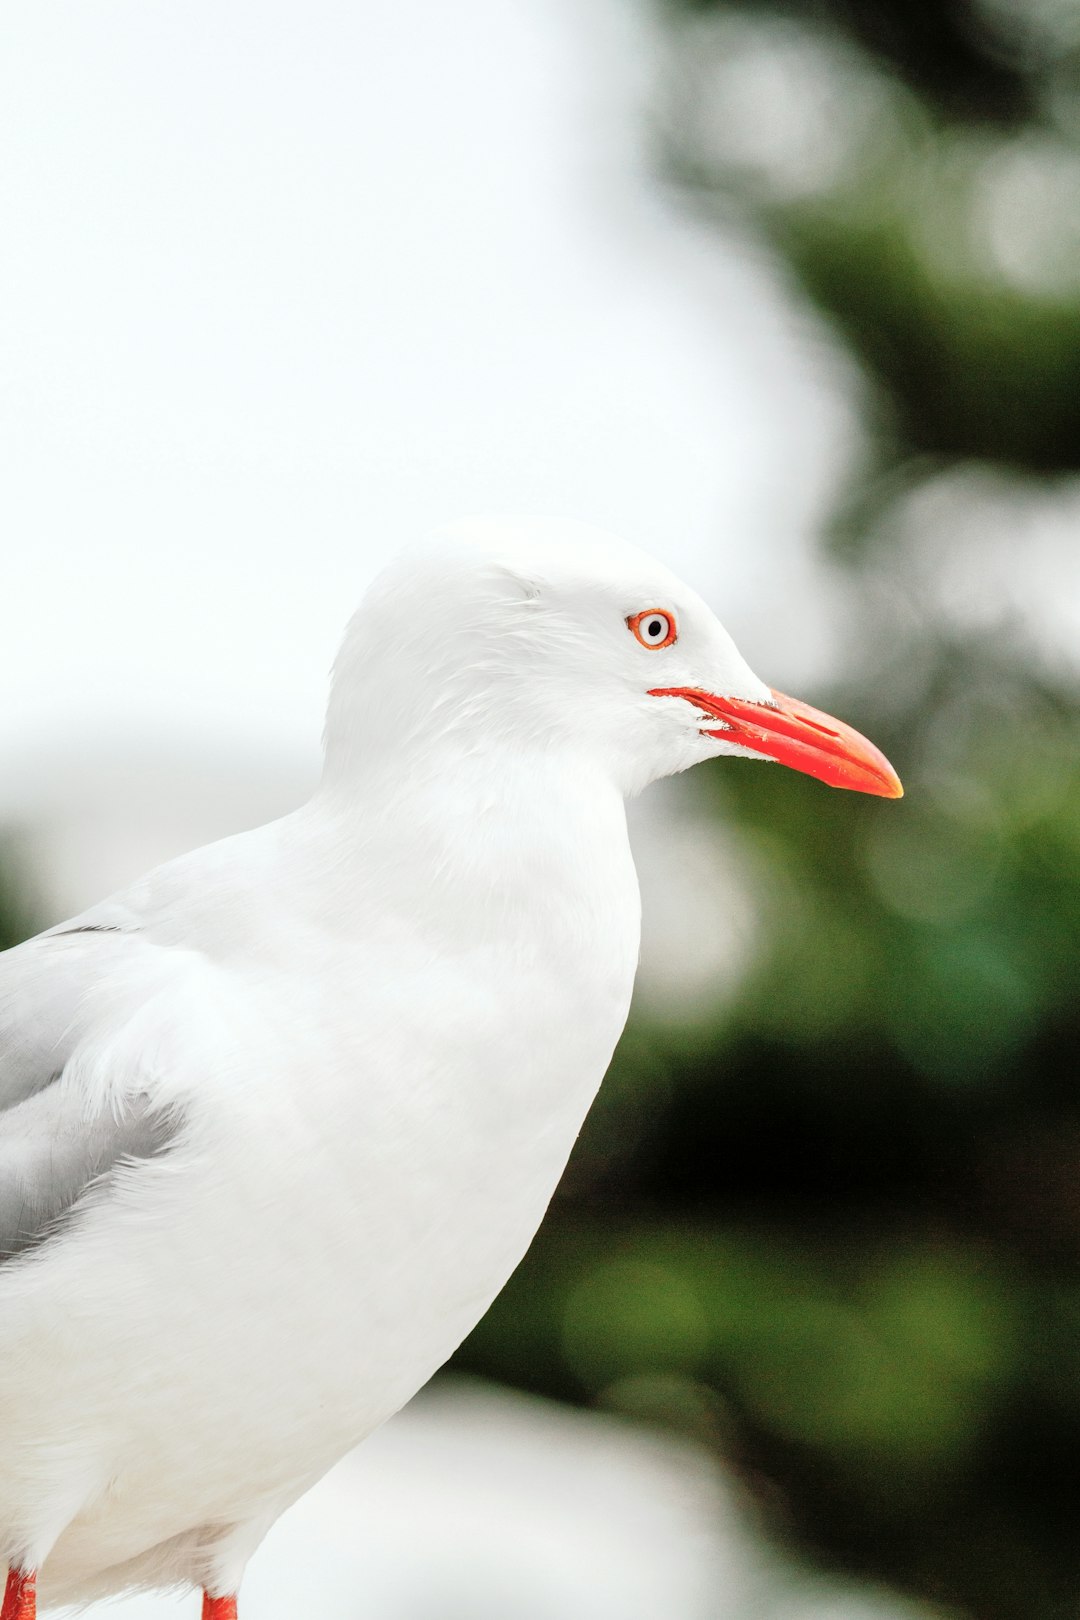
278,1121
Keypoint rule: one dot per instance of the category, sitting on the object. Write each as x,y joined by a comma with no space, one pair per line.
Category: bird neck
461,825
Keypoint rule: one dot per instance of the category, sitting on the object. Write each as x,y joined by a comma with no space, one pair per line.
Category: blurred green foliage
18,910
834,1230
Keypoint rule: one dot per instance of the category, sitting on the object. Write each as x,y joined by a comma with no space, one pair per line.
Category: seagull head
538,635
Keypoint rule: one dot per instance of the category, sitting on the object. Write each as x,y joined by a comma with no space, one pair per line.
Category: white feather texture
315,1084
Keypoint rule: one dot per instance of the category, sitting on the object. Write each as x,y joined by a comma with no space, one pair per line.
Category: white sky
286,284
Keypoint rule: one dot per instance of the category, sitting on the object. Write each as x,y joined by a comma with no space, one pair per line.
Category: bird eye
653,628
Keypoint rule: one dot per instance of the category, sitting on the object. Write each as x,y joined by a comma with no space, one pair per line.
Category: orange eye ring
654,628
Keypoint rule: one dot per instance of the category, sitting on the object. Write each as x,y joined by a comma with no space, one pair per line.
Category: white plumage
280,1119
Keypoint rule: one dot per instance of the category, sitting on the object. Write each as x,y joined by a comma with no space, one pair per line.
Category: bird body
359,1270
277,1122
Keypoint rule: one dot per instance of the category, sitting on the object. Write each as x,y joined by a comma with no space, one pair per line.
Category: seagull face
533,634
644,668
704,684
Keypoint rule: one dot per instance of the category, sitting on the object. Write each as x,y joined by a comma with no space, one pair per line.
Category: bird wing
64,1123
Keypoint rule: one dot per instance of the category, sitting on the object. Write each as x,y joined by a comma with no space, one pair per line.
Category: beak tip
795,734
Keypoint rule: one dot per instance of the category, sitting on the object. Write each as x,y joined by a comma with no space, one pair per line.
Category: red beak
799,736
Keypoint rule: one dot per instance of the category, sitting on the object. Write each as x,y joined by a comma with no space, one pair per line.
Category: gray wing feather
43,984
51,1149
50,1155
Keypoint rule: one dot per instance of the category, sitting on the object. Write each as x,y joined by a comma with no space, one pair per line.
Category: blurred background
789,294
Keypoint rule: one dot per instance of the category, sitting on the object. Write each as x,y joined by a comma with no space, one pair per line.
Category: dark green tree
835,1232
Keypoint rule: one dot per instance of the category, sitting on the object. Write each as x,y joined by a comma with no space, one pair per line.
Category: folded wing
60,1137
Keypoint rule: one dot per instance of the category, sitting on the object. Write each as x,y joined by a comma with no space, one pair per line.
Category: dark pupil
656,627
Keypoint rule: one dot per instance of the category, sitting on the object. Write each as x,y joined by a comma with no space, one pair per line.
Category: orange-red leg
20,1595
20,1599
223,1608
